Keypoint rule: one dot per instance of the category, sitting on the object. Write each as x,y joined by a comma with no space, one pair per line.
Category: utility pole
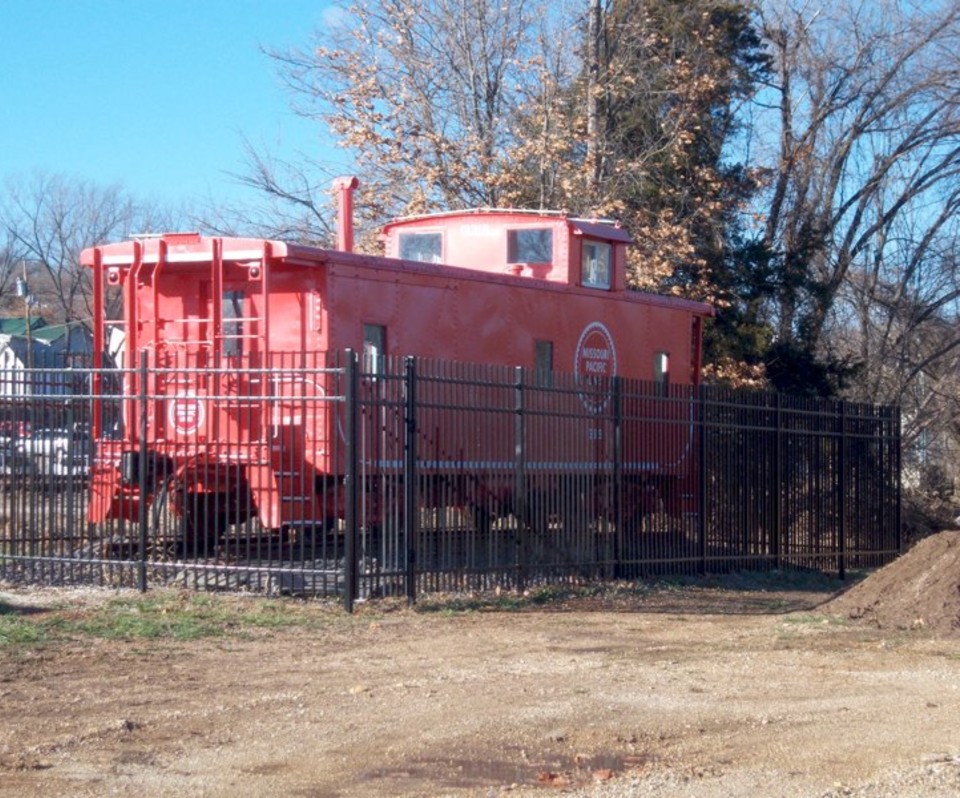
594,32
23,290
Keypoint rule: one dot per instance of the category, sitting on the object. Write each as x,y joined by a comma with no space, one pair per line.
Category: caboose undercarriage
211,504
209,489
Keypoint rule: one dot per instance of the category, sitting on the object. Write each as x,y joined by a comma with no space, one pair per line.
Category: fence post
702,477
617,496
519,478
350,475
779,485
142,477
410,509
899,486
842,493
71,456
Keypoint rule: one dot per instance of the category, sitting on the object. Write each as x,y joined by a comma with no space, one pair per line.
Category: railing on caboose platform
338,477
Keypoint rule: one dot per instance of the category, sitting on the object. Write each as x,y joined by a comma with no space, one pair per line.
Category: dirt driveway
690,691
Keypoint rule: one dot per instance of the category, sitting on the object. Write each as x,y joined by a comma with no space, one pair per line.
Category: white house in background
45,350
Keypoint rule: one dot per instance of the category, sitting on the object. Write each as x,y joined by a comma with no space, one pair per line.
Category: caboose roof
192,248
608,229
187,248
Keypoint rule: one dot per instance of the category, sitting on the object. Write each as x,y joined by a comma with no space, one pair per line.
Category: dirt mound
920,590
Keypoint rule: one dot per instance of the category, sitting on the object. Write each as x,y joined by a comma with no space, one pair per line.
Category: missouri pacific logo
595,362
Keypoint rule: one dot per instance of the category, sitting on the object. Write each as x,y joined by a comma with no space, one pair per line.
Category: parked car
51,451
12,460
44,441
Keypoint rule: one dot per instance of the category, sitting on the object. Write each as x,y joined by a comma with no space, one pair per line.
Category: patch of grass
633,593
184,616
456,604
545,597
782,579
147,619
160,616
15,630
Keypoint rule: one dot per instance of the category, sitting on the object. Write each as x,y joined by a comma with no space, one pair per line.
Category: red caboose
512,288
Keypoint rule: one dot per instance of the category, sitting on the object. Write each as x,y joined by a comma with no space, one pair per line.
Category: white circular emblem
186,413
595,361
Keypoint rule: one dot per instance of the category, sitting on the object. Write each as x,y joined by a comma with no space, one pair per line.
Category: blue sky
157,95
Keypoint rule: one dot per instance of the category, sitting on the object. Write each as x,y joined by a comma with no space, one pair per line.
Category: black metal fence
395,476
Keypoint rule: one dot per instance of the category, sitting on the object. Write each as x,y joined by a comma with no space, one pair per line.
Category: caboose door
240,367
208,360
182,324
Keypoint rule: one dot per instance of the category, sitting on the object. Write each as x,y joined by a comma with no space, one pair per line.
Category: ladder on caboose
204,337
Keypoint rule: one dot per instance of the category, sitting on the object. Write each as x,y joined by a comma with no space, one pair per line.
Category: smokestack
345,187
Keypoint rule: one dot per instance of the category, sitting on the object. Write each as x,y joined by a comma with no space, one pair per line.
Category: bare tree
424,90
9,263
432,98
294,201
49,219
863,148
861,138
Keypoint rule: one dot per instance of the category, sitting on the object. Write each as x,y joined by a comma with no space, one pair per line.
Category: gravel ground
704,690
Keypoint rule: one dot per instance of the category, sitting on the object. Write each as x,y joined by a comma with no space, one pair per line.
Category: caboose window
374,348
424,247
530,246
543,363
232,322
661,373
596,264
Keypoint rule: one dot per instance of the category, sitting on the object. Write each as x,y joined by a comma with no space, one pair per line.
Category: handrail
132,340
216,299
99,322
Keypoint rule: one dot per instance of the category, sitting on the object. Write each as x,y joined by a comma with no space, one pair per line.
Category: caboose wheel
316,538
163,532
188,524
202,524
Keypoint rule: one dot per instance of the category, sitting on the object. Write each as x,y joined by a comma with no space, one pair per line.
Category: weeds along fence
359,478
